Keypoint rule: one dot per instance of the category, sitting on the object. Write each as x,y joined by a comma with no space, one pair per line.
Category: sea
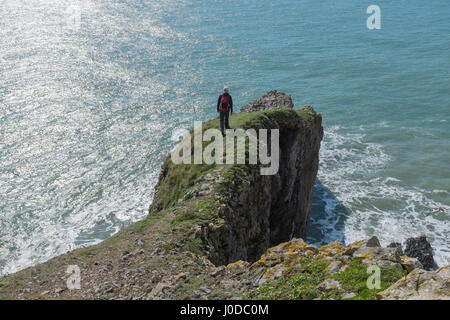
92,91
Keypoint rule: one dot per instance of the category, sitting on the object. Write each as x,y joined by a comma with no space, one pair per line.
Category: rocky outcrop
418,252
335,271
271,100
289,254
260,211
421,249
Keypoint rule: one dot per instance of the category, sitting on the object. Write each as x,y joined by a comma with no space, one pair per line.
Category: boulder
348,295
371,242
396,245
271,100
378,256
409,264
419,285
334,267
421,249
332,249
329,284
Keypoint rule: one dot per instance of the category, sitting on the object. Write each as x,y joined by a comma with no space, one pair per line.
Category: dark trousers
224,121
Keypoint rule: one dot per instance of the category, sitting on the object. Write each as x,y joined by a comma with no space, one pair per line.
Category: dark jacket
231,102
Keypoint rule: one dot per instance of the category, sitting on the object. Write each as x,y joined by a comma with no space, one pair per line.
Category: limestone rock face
264,210
421,249
278,261
271,100
410,263
420,284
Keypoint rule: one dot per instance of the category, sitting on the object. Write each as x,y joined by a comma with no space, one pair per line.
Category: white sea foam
361,203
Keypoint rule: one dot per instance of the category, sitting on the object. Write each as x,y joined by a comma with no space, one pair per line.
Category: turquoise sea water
87,110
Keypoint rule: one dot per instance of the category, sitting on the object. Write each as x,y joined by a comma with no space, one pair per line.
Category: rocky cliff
257,211
224,231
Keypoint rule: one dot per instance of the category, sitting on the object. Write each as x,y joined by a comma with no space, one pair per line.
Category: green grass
236,175
194,284
301,283
306,116
296,284
142,225
309,276
204,211
88,251
354,279
178,180
4,284
165,247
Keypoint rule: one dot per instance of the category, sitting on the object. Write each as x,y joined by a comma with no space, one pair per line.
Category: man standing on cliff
225,107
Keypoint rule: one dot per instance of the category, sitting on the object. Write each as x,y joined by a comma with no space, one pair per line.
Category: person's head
226,89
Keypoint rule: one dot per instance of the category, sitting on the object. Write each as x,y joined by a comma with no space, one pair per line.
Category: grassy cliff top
177,179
